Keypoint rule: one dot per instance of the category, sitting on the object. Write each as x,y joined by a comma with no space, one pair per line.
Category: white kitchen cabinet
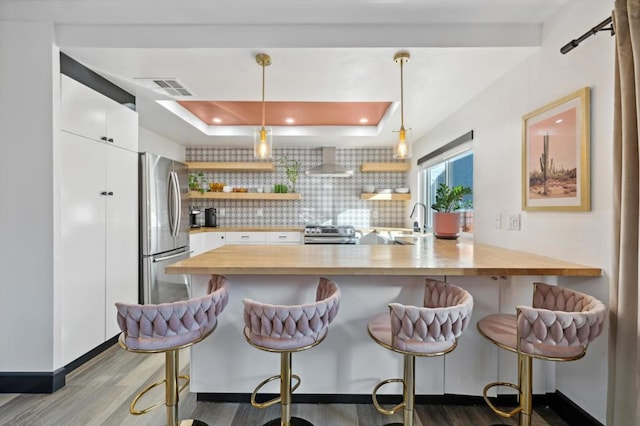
201,242
98,240
81,250
96,203
287,237
88,113
246,238
121,220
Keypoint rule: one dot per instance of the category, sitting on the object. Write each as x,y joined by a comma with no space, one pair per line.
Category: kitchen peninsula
349,363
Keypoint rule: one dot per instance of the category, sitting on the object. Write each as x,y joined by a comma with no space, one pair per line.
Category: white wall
28,72
149,141
496,118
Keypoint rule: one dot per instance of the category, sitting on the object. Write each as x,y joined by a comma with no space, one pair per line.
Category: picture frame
555,155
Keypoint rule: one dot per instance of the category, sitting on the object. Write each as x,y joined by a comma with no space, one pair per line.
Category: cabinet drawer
283,237
246,238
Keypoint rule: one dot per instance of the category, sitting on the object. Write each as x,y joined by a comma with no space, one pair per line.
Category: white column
29,67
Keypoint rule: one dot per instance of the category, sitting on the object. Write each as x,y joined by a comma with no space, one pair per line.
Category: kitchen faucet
416,227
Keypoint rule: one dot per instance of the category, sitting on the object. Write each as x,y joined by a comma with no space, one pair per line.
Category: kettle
210,217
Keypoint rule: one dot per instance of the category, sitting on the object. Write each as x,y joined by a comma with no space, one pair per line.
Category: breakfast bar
348,363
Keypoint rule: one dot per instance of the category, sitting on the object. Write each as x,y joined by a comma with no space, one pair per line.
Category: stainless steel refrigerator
164,228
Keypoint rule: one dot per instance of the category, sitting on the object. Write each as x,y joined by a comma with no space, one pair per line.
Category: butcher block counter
348,364
429,257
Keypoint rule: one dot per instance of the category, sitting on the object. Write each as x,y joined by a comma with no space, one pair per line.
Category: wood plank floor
100,391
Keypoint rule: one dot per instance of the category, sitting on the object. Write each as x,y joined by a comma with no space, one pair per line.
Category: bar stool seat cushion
432,329
560,325
166,326
291,327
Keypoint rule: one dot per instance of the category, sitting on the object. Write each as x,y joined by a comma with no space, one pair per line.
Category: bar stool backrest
282,327
560,324
165,326
446,313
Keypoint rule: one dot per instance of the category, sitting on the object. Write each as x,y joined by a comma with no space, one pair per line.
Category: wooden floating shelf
243,196
385,167
385,197
233,166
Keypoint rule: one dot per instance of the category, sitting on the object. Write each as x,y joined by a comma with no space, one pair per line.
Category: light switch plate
498,220
514,221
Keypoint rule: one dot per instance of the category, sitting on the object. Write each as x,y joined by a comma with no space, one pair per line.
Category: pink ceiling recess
244,113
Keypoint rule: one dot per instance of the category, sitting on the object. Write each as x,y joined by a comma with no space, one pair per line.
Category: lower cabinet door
80,247
121,272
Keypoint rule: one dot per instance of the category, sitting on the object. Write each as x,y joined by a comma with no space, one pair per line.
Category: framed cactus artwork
555,155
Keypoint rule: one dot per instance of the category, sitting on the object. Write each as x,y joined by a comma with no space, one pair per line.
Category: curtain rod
593,31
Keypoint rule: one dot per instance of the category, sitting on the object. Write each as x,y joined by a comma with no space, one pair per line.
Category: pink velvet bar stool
285,329
169,327
430,330
557,327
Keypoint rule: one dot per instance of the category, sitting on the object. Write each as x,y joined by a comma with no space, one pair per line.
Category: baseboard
325,398
47,381
559,403
570,411
32,382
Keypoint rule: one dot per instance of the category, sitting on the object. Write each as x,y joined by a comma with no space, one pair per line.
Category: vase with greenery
448,203
291,168
198,182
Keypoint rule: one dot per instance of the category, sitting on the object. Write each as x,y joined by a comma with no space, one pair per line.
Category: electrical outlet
259,212
222,212
514,221
498,220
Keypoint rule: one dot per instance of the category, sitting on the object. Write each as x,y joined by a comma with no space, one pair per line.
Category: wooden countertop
431,257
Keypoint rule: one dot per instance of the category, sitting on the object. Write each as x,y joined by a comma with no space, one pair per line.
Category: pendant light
401,143
262,141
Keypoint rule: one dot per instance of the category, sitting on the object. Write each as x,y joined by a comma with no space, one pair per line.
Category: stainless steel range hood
329,168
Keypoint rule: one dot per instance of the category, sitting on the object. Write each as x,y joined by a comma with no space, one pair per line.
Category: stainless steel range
329,234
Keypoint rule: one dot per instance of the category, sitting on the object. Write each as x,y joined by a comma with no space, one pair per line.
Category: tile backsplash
324,200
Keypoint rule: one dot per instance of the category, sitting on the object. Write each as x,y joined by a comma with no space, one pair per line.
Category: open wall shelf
233,166
243,196
385,167
385,197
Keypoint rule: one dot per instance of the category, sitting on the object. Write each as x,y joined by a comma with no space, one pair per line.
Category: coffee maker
210,217
194,211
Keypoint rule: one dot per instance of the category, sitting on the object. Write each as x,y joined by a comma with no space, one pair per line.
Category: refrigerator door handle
171,256
178,199
174,204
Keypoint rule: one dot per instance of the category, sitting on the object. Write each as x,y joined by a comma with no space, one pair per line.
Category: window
456,168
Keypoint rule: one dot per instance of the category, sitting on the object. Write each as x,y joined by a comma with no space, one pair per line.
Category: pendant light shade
402,137
262,138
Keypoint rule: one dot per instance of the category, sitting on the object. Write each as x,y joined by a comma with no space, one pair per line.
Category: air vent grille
170,86
173,87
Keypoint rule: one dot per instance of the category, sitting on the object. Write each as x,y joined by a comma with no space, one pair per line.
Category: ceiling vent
170,86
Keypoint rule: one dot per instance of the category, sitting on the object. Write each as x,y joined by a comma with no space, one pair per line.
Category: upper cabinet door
82,110
88,113
122,126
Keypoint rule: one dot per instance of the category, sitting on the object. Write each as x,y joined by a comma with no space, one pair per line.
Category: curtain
624,343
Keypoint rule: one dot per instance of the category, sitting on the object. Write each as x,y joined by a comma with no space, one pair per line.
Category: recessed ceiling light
217,120
364,120
290,120
558,121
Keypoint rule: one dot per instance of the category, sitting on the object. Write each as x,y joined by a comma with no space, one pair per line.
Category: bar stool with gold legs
413,331
558,327
169,327
285,329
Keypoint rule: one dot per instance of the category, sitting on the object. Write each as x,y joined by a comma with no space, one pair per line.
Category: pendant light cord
401,96
263,105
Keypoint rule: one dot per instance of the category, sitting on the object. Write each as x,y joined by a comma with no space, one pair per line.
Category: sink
373,238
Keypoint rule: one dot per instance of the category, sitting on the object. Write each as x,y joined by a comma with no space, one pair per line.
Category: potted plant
292,170
198,182
449,201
